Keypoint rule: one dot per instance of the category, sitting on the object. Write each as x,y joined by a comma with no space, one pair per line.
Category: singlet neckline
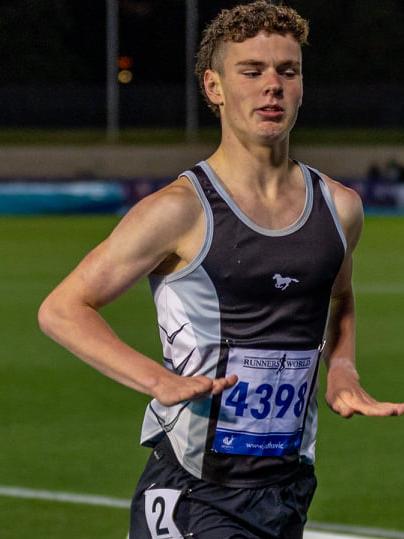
290,229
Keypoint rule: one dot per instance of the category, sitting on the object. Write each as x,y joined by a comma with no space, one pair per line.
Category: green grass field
65,427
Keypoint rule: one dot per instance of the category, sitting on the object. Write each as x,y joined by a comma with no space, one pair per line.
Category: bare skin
258,89
345,395
163,225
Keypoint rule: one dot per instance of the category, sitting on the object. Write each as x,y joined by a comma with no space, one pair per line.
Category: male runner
246,252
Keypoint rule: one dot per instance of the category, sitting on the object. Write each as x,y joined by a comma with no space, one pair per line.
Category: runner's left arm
345,394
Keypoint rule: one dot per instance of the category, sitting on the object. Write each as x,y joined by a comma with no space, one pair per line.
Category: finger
400,409
384,409
220,384
196,387
341,408
231,380
370,407
364,404
348,403
203,384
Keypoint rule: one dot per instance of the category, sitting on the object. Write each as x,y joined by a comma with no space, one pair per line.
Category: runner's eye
252,74
289,73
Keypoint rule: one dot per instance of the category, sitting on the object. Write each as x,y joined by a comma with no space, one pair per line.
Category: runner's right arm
158,229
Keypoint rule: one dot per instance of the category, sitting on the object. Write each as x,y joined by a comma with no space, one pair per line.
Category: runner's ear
213,87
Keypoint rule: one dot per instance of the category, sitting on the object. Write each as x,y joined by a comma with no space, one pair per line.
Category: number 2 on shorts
159,508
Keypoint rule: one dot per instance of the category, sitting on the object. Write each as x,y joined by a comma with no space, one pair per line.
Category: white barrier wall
125,161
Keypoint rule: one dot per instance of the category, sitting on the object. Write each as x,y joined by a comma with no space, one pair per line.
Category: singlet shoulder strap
325,190
195,182
203,179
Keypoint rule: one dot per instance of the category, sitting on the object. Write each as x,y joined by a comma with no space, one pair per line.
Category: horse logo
283,282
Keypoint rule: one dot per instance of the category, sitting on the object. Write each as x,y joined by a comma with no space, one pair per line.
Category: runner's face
261,86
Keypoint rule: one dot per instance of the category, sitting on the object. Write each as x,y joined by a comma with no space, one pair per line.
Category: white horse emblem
283,282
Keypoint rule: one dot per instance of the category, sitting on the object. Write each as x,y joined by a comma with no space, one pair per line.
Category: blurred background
91,86
54,62
99,107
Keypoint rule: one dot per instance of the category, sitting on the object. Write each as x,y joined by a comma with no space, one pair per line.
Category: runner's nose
274,90
273,85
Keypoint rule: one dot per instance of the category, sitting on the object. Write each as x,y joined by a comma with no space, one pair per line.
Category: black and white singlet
253,302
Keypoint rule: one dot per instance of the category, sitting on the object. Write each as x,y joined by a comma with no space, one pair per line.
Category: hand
346,397
174,389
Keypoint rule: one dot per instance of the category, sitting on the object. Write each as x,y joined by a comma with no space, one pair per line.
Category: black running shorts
169,503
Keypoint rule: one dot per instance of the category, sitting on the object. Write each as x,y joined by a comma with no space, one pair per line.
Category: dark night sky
351,40
63,40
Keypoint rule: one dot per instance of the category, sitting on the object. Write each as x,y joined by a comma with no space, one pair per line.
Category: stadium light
112,53
191,43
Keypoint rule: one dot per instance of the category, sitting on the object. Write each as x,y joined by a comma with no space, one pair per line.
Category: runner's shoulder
180,195
177,201
349,208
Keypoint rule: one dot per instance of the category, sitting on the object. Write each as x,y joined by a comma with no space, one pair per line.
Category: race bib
160,505
263,414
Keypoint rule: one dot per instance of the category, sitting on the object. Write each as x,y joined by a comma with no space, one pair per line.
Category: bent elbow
47,314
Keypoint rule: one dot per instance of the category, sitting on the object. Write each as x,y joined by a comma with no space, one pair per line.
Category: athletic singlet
253,302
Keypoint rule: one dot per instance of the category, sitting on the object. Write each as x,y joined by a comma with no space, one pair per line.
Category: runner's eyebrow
261,64
251,63
290,63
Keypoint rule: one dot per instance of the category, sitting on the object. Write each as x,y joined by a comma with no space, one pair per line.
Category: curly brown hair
240,23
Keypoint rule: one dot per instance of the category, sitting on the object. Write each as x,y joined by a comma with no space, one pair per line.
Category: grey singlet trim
208,231
331,206
301,220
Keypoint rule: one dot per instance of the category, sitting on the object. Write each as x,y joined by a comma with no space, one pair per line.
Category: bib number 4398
260,402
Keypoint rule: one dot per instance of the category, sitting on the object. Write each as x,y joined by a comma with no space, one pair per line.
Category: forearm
342,376
345,395
339,352
81,330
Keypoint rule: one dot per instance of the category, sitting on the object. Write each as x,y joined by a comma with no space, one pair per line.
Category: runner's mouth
270,112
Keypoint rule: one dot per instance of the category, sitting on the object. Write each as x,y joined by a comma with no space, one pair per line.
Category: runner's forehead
262,48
